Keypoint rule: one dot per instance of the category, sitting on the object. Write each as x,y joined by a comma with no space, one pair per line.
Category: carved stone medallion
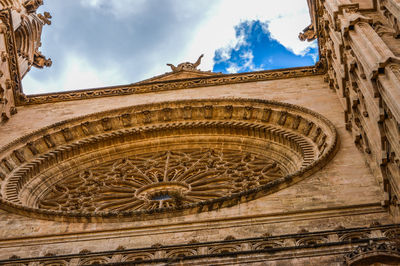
161,160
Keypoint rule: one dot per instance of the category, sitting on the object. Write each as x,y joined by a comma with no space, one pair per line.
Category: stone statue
186,65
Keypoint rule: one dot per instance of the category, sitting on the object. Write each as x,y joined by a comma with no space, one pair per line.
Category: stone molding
136,88
340,242
50,151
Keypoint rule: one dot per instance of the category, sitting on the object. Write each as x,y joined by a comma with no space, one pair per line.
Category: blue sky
259,51
95,43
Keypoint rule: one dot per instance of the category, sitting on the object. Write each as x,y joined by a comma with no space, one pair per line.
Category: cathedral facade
296,166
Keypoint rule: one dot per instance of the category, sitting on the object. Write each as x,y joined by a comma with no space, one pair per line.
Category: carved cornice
216,80
267,247
304,132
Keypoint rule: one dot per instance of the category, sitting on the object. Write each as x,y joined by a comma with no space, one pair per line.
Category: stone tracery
164,179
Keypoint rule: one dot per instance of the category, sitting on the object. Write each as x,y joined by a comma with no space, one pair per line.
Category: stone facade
286,167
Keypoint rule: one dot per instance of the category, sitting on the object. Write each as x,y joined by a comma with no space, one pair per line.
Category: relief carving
208,111
67,134
86,128
32,148
106,123
49,141
296,122
228,111
187,112
7,165
146,116
266,115
282,118
166,114
126,120
248,112
308,128
19,155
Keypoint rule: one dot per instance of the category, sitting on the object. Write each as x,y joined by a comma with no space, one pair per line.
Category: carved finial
186,65
45,17
40,61
32,5
308,34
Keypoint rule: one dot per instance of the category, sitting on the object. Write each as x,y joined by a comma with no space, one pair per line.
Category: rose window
158,160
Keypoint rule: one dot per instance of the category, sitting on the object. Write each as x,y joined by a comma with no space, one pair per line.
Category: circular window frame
26,157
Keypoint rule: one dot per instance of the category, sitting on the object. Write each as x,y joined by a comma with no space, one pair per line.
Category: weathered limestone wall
344,193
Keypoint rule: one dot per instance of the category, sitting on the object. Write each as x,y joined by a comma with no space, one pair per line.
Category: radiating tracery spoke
163,179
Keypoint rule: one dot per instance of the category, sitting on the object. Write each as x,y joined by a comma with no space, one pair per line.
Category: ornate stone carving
186,65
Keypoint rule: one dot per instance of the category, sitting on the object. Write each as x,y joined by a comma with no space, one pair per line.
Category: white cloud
217,30
165,38
79,74
119,8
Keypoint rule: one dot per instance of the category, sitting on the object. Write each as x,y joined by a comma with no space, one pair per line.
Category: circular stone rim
168,212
